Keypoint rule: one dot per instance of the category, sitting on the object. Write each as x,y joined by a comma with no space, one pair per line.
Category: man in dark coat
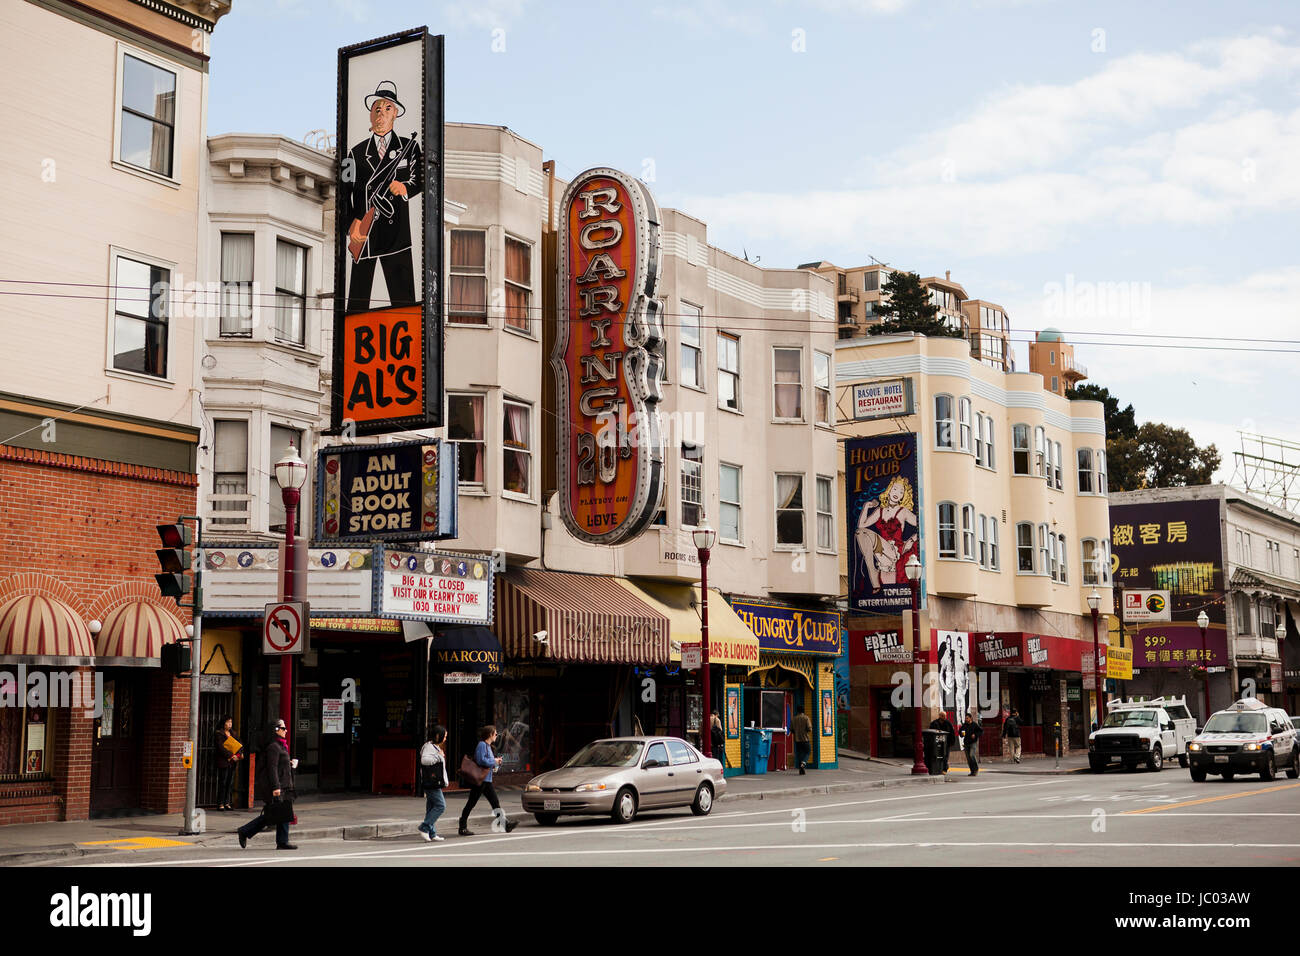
386,170
943,723
1011,731
274,784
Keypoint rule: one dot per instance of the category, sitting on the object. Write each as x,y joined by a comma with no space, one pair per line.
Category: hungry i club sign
608,357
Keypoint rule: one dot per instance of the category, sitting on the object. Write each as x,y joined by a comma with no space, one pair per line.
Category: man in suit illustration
387,171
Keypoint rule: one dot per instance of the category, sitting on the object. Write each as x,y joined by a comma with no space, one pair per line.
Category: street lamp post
913,569
1094,602
291,474
1203,622
704,536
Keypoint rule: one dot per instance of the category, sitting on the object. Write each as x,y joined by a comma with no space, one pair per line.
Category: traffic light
174,559
175,659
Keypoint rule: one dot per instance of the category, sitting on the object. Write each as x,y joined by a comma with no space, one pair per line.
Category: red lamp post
913,569
291,475
704,536
1094,602
1203,622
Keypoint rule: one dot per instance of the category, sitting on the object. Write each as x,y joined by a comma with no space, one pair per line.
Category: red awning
134,633
586,618
36,629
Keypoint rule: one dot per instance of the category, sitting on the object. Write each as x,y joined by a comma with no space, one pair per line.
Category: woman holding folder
229,752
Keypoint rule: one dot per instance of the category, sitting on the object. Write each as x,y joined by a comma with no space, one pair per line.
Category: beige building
1012,515
1053,358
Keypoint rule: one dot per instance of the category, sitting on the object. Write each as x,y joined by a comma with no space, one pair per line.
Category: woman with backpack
433,775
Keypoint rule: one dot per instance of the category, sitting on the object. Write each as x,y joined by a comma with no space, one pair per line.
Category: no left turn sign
284,628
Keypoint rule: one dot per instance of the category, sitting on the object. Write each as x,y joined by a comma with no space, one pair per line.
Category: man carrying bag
275,787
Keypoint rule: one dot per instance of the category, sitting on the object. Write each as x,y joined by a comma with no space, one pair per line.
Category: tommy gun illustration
378,198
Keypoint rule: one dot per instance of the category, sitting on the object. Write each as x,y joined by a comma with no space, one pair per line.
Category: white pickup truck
1142,731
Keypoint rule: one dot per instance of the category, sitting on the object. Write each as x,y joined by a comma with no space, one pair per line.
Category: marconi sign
608,357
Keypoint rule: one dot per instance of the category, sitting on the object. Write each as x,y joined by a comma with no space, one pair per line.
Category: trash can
756,744
936,751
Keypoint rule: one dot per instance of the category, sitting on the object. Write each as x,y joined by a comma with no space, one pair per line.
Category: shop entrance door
893,733
212,707
115,762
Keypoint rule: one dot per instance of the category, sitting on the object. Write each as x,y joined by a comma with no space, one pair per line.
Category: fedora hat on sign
386,90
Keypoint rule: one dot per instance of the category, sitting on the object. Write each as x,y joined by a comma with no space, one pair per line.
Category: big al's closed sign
608,357
402,491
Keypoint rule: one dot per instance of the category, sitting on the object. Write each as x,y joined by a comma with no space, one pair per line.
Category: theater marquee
608,357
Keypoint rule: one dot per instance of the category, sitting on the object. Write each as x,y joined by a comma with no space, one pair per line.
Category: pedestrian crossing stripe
137,843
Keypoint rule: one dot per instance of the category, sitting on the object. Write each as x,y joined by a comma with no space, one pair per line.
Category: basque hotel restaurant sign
789,629
404,491
388,293
608,357
880,477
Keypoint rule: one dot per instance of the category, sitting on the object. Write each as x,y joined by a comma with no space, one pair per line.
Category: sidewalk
368,817
1031,763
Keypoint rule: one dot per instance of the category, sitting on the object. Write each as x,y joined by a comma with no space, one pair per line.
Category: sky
1128,173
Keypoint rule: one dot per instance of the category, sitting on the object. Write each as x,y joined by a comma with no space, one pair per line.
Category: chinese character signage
1170,546
1119,663
1179,645
403,491
885,399
884,501
780,628
388,293
608,358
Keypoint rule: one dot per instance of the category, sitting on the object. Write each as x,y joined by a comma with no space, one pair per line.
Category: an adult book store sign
404,491
433,586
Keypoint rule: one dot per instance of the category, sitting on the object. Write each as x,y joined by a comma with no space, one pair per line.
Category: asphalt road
1114,819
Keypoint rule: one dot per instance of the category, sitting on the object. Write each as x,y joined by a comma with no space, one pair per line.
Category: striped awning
36,629
587,619
133,635
730,641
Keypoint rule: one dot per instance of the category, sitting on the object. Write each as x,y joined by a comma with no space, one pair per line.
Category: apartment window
1104,573
1267,620
1101,471
517,463
467,301
822,386
1040,452
968,532
230,469
465,428
692,357
692,484
1274,556
148,116
728,372
1085,471
1045,552
519,285
979,438
990,459
789,509
1055,384
943,421
140,310
1241,604
1295,563
995,561
236,284
1056,466
963,417
825,516
1065,560
729,526
787,379
1025,547
1091,561
290,292
1020,449
1054,555
281,438
984,540
1247,556
1051,360
947,529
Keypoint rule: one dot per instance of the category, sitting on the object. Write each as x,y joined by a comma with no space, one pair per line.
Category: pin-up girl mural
882,536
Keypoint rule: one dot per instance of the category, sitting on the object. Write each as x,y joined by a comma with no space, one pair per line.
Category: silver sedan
621,776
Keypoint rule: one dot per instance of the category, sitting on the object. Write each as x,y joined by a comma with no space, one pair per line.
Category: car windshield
1228,723
1131,718
607,753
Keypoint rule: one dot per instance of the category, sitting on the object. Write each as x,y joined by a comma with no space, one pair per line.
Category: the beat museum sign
608,357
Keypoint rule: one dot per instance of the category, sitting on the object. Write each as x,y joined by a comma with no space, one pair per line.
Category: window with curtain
465,428
290,292
281,437
984,541
1020,449
519,285
1040,452
947,529
943,421
467,294
1101,471
140,317
789,509
1091,561
968,532
1045,551
979,439
825,515
148,105
729,527
1065,559
728,371
1267,619
963,418
822,386
692,318
1025,548
788,383
995,561
236,284
1056,467
1085,471
692,487
516,465
1241,605
230,470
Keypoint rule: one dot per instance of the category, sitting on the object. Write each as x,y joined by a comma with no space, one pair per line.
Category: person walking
971,732
802,739
275,787
718,739
1011,731
950,732
485,758
226,761
433,775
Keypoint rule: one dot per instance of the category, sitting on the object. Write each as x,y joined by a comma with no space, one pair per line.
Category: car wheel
1293,771
703,801
1198,776
1182,761
1157,759
1269,770
546,819
624,806
1096,766
1227,776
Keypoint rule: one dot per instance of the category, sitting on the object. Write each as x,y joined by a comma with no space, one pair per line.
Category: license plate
550,804
1221,759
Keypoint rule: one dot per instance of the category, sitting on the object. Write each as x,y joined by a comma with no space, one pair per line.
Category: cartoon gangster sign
884,527
608,357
